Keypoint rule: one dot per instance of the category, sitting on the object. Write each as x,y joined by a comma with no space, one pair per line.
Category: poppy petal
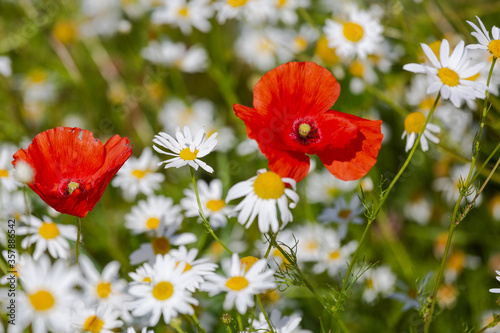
287,164
352,157
295,89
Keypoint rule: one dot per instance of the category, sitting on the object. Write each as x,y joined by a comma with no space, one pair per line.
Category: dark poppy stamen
305,131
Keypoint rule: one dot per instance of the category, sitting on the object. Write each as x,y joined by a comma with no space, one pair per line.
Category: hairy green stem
265,314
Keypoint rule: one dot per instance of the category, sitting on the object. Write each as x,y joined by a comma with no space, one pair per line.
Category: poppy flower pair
291,119
72,168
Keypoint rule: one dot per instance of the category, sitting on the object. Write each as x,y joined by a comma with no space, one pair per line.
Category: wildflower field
249,166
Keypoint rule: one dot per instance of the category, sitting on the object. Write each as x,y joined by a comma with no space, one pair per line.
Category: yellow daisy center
353,32
65,32
300,43
281,3
326,53
72,186
152,223
494,48
147,279
369,283
93,324
187,155
236,3
4,173
304,129
448,76
161,245
215,205
427,103
269,185
42,300
103,289
48,230
38,76
344,213
334,255
312,245
139,173
183,12
237,283
456,261
186,268
163,291
357,68
435,47
248,262
277,253
414,122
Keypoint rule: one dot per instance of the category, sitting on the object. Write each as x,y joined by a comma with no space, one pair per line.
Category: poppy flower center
161,245
4,173
237,283
236,3
344,213
187,155
152,223
334,255
494,48
305,132
163,291
248,262
414,122
42,300
103,289
72,185
139,173
215,205
93,324
268,185
353,32
48,230
448,76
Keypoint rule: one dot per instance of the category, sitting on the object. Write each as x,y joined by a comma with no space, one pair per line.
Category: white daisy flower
483,37
214,207
450,73
343,214
244,280
185,15
142,274
47,235
5,66
418,209
102,17
138,175
143,330
357,35
13,257
152,213
105,288
197,269
101,319
301,40
334,258
195,115
262,193
310,238
379,281
321,187
253,11
286,10
7,179
449,185
169,54
280,323
167,293
414,122
362,72
46,296
24,173
187,151
161,244
263,48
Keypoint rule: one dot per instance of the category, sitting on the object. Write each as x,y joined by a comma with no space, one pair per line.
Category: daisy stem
197,323
78,235
464,188
385,193
240,323
265,314
200,210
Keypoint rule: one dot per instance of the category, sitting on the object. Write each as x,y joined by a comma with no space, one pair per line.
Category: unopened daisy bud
226,319
24,172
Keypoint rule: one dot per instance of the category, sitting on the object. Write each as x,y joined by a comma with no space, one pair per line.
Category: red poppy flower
292,120
72,168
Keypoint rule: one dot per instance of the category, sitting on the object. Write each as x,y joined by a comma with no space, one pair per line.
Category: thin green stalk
307,17
466,185
385,195
78,235
240,323
485,162
265,314
200,210
197,324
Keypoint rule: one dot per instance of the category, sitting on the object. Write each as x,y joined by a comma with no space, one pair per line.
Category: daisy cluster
239,200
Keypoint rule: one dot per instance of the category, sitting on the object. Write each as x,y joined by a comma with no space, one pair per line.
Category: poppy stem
78,235
204,219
